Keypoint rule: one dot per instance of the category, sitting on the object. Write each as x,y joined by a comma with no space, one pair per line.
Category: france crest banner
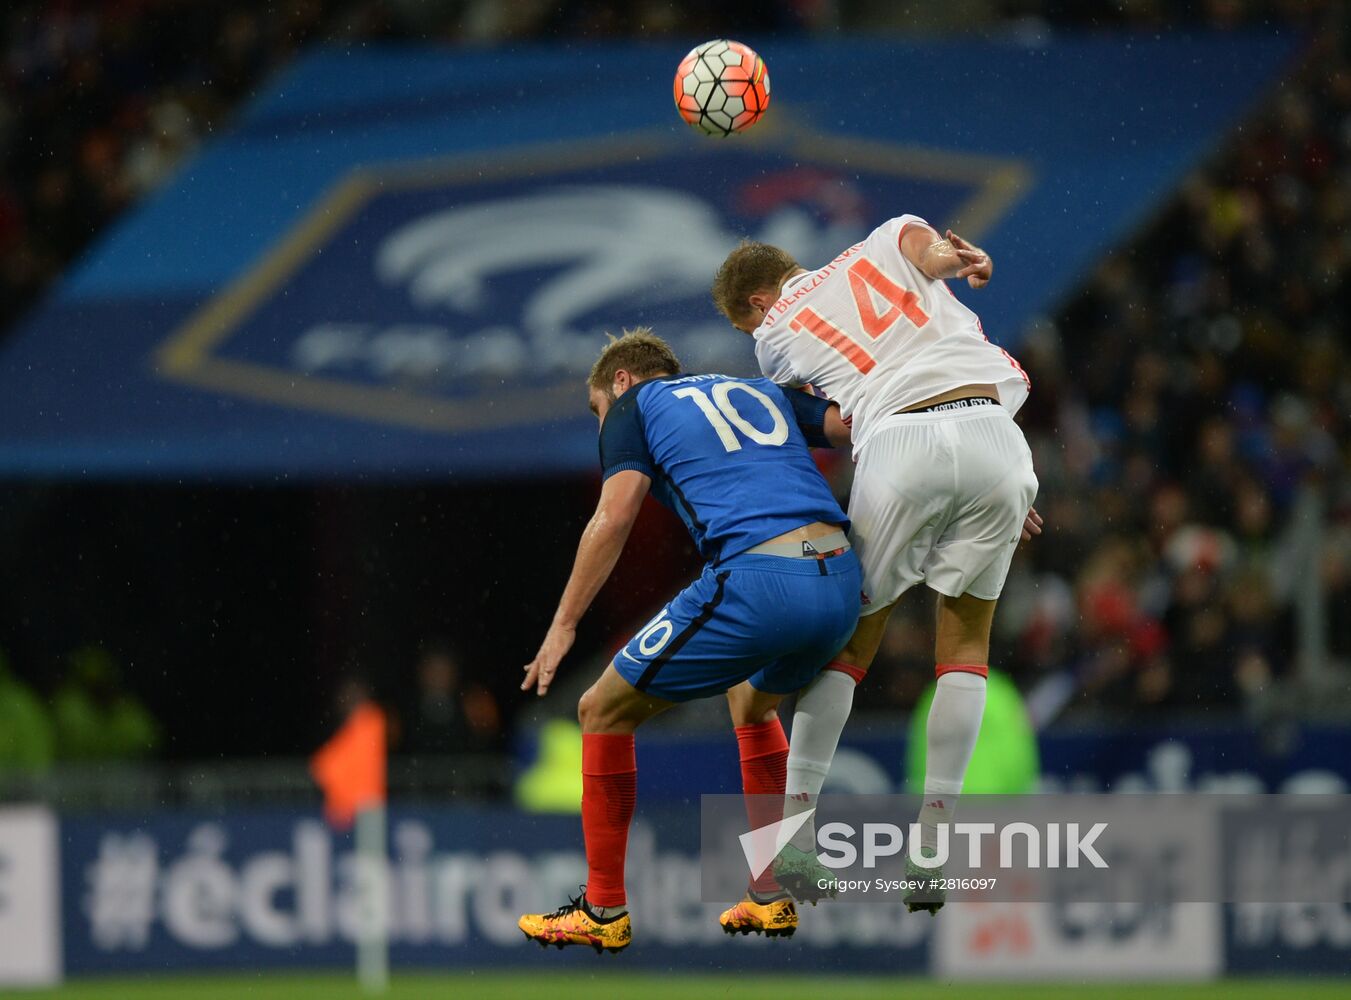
401,262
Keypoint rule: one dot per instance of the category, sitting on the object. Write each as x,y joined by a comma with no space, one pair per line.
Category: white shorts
940,498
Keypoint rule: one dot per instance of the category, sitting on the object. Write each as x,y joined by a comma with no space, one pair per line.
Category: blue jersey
729,455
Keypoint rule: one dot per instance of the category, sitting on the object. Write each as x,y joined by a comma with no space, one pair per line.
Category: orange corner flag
350,768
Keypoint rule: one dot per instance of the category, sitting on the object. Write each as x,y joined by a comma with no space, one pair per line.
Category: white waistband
803,549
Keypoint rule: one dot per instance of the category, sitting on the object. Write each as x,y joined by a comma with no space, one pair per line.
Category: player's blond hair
640,352
750,268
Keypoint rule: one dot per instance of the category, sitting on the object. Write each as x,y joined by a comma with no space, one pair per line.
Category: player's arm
602,540
945,257
837,432
1032,525
818,419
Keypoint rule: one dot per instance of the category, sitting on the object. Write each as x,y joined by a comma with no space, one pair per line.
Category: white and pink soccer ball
722,87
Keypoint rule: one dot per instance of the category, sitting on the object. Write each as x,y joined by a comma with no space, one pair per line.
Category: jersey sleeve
775,365
896,228
623,445
810,413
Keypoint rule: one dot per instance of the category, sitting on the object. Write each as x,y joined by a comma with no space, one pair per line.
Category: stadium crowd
1197,388
100,103
100,100
1186,403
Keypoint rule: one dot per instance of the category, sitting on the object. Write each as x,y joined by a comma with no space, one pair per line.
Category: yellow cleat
773,919
573,924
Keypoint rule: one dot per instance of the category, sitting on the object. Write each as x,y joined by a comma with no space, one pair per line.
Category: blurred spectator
353,691
95,718
100,101
26,738
447,715
1005,760
1226,318
553,781
1201,384
1182,401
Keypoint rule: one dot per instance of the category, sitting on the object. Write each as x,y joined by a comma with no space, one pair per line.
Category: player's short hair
640,352
748,269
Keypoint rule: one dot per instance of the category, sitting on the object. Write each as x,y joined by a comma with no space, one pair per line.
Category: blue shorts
771,620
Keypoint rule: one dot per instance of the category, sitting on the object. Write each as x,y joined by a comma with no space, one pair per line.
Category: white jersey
875,334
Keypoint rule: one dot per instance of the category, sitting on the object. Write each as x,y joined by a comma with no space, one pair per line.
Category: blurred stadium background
296,299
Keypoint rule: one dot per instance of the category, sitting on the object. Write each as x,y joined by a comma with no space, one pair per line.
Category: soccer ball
722,87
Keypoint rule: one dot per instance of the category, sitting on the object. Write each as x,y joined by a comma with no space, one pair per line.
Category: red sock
979,669
609,786
764,773
849,669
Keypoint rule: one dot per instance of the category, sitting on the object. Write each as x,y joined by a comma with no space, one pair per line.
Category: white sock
822,709
950,736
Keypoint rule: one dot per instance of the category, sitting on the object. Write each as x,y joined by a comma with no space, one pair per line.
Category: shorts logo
653,638
960,404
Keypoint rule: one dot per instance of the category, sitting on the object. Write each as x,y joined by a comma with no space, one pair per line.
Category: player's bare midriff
961,392
817,529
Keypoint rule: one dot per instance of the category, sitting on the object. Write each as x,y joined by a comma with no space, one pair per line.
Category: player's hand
1032,525
539,672
977,267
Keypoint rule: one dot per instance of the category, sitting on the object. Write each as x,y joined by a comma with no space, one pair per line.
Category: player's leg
819,715
695,647
609,713
763,749
894,516
968,570
807,609
962,654
749,706
613,706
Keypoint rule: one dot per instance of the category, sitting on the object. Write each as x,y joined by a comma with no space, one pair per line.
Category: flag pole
351,770
373,920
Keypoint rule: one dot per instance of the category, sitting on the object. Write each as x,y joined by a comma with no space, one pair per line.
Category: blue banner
272,890
1232,758
170,891
402,262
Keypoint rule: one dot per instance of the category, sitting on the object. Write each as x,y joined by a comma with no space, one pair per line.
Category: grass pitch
657,986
